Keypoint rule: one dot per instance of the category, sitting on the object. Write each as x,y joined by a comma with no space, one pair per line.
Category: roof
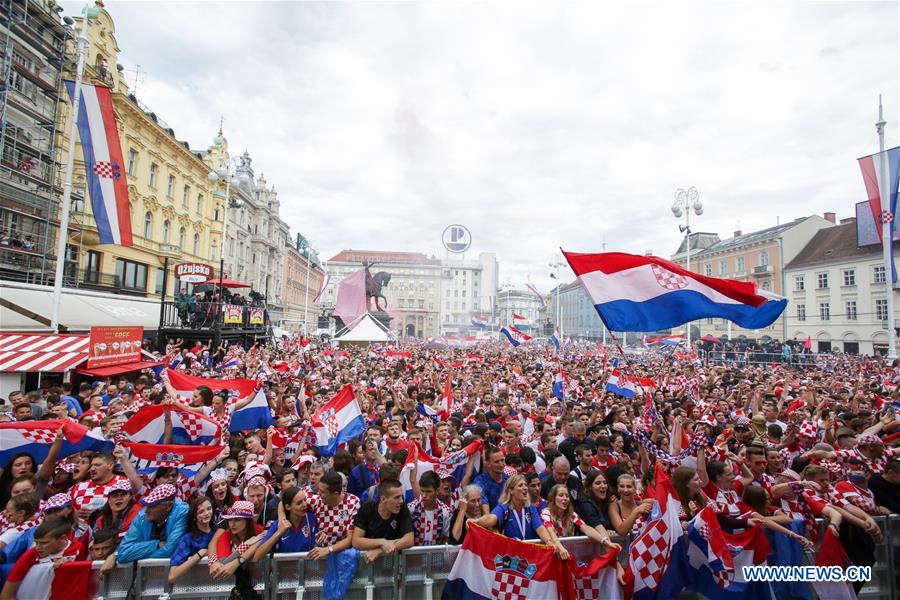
364,329
50,353
754,237
700,241
832,244
375,256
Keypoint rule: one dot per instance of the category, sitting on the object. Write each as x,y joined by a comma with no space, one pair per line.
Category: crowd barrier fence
417,573
721,357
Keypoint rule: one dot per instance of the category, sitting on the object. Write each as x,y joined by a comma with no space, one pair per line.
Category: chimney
848,220
830,217
737,233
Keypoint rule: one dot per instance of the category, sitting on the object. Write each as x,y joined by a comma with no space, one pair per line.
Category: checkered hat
218,475
809,429
742,421
57,502
65,466
241,509
707,420
833,467
304,459
869,439
160,493
121,485
790,474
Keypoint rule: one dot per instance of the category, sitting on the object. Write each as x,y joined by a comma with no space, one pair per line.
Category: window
212,253
91,266
822,281
132,159
199,204
850,309
739,267
766,285
824,311
154,171
723,267
170,189
185,196
878,274
196,246
182,234
166,230
707,270
216,214
131,275
159,281
421,303
799,283
148,225
881,313
463,304
850,277
764,258
801,312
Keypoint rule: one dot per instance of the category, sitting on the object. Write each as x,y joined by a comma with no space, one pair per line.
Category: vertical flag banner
874,172
103,163
536,293
326,279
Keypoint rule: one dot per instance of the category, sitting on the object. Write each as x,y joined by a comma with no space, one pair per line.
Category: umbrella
229,283
711,338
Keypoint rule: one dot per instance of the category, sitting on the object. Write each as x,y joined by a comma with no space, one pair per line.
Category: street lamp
686,201
555,265
226,173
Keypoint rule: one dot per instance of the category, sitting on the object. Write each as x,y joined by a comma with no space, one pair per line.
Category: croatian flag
229,360
514,336
422,461
666,340
517,317
104,166
427,412
647,293
338,421
149,425
36,437
256,415
559,385
147,458
186,384
479,321
881,179
555,338
618,383
537,294
72,579
323,285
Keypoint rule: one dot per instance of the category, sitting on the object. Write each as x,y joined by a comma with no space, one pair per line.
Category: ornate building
302,275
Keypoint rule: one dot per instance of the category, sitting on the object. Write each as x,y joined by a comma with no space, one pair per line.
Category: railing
417,573
208,315
723,357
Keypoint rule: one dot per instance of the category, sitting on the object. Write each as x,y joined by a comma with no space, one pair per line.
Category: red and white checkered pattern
723,578
429,527
192,424
667,279
39,436
587,588
335,521
509,585
550,522
650,553
104,169
88,494
886,216
876,465
41,352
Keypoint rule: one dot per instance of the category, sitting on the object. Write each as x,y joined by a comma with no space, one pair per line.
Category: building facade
759,256
578,317
837,294
413,294
467,289
511,301
302,275
33,40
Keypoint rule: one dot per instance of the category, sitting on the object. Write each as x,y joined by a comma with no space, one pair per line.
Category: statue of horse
375,285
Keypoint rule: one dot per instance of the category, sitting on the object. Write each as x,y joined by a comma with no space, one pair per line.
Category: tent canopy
364,329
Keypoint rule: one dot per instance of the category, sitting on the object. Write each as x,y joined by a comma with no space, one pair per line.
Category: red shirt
400,444
73,551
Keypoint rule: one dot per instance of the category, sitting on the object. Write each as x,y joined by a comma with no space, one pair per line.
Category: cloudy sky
536,125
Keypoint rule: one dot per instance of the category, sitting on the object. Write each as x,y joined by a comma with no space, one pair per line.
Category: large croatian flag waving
103,163
647,293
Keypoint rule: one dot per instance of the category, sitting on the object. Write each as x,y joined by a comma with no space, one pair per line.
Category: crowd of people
776,445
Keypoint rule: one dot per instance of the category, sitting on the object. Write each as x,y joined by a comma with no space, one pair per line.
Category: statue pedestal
382,317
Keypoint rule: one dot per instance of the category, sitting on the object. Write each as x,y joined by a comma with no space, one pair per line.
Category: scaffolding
34,42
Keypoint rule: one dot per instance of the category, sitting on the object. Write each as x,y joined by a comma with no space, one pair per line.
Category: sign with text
233,314
193,272
257,316
114,346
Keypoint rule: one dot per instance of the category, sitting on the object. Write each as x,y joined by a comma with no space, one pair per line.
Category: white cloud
537,126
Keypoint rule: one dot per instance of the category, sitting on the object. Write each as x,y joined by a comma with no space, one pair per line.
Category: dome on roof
218,140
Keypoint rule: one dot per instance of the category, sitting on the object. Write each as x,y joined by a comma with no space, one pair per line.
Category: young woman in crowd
120,509
194,544
594,500
296,527
625,514
562,521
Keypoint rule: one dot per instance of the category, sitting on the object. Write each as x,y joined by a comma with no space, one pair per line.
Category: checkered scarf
808,518
698,441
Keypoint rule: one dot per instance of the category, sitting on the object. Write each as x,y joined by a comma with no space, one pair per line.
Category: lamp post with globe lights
686,201
555,264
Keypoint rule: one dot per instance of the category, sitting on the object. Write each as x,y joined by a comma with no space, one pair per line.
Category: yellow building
174,215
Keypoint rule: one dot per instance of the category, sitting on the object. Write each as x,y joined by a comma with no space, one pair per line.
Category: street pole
687,245
306,298
887,242
82,43
686,201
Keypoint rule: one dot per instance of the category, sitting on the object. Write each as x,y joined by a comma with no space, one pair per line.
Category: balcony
208,316
171,250
762,270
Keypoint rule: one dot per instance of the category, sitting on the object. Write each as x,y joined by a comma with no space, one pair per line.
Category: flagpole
887,242
82,42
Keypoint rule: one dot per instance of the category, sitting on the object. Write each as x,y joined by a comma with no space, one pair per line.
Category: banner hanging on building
233,313
257,316
114,346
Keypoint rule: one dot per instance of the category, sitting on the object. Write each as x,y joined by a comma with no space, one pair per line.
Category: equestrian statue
375,285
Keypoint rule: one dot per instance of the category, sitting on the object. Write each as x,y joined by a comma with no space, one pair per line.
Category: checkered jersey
186,488
551,522
877,465
335,521
430,527
88,494
225,420
845,493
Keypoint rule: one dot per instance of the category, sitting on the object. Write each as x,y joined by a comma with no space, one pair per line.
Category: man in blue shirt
493,478
157,529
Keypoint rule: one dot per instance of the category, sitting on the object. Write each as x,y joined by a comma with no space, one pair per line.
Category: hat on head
809,429
160,493
219,474
742,422
707,420
128,387
304,459
789,474
241,509
620,427
57,502
869,439
121,485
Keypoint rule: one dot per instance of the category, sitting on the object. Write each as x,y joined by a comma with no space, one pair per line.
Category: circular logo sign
457,239
193,272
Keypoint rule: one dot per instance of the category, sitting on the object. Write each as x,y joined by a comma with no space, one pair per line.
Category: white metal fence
416,574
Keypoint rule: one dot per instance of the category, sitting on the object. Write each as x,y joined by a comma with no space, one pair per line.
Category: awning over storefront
49,353
79,309
119,369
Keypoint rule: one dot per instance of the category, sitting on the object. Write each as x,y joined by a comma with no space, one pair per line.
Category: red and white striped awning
33,352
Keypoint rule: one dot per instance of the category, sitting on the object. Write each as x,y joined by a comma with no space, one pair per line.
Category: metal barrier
417,573
722,357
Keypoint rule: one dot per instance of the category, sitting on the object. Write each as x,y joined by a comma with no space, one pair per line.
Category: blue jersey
300,539
521,525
